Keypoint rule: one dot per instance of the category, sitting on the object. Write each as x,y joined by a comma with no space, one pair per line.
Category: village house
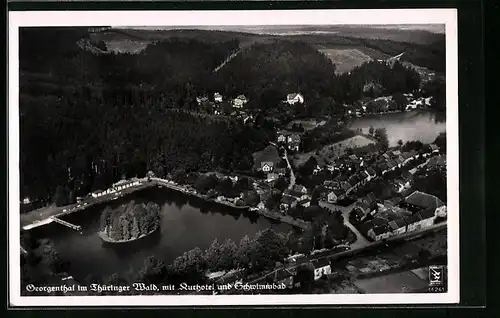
218,98
268,154
379,232
299,188
267,166
434,148
371,172
418,201
290,139
240,101
441,212
201,100
272,177
288,201
322,268
293,142
294,98
335,195
280,171
422,219
397,226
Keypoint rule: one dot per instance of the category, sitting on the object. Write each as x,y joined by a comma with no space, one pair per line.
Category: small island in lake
129,222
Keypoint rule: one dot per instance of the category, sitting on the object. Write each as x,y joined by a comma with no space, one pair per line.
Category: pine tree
135,233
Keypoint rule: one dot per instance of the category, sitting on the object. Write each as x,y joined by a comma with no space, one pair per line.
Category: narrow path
285,156
229,58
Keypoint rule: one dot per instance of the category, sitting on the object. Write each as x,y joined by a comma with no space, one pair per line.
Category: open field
338,149
307,124
346,59
332,151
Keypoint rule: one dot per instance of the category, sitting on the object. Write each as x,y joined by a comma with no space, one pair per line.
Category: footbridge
65,223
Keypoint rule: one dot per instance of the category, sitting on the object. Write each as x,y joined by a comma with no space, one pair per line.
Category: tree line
89,119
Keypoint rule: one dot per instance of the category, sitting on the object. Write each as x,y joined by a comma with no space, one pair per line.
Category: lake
187,222
423,125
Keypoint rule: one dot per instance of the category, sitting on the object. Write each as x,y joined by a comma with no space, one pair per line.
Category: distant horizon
286,29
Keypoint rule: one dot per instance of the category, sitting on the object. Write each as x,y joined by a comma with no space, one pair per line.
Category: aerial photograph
232,160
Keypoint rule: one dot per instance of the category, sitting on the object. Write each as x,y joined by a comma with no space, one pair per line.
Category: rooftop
423,200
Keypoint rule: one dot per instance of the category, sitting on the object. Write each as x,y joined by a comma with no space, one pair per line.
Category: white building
294,98
321,270
218,97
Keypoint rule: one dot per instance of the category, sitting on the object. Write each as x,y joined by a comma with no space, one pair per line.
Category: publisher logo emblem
436,275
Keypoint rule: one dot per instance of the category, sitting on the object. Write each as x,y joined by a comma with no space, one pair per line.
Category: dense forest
89,119
130,221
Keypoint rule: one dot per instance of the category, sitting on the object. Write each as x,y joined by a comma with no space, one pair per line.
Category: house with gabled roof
434,148
299,188
418,201
335,195
201,100
294,98
379,232
321,268
240,101
217,97
371,172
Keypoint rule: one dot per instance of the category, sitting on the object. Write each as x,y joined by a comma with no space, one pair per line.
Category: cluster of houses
338,189
296,195
240,100
420,102
120,185
288,139
416,211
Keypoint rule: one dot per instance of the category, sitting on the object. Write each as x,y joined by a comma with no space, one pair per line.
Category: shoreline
145,184
106,239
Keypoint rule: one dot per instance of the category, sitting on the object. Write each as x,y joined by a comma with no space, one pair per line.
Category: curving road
361,241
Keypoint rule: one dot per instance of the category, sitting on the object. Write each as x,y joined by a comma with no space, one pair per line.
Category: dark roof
371,171
346,186
322,263
379,221
298,188
364,175
424,200
396,152
380,229
370,197
338,192
384,166
359,213
406,175
393,225
304,200
400,222
288,199
427,213
434,146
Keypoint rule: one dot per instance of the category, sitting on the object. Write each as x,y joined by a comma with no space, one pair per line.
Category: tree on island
130,221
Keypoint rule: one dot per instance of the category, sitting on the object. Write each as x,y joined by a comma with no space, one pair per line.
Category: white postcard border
236,18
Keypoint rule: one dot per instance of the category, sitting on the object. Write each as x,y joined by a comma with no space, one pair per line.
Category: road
361,241
285,156
287,270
